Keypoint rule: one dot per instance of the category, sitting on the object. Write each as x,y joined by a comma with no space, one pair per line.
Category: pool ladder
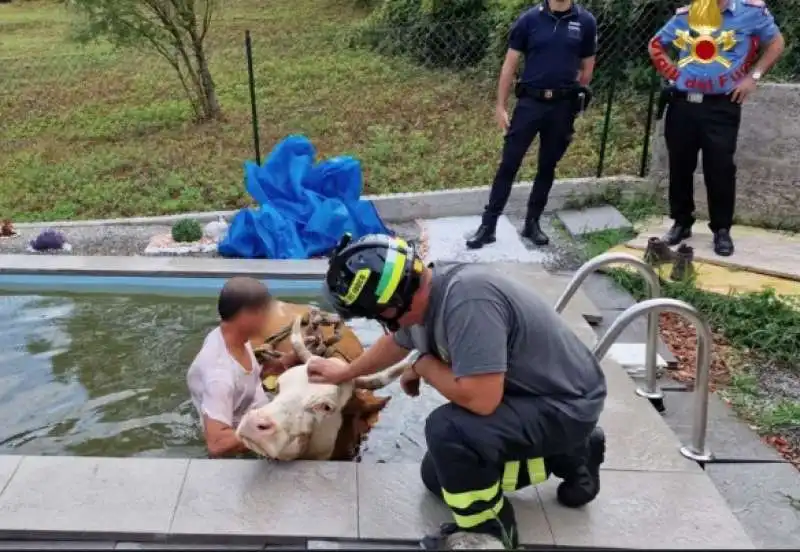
652,307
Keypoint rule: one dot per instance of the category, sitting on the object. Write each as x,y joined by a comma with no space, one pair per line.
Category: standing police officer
559,40
718,68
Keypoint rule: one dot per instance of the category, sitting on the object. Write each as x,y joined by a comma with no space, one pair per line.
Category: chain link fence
408,87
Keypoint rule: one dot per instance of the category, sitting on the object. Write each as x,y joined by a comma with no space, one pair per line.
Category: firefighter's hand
327,370
501,116
746,87
409,382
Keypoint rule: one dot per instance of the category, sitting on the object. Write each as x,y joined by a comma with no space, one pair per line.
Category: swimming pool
96,366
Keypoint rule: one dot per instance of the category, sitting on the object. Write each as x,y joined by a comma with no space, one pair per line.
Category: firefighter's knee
439,428
427,471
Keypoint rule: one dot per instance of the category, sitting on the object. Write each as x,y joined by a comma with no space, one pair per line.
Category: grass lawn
90,132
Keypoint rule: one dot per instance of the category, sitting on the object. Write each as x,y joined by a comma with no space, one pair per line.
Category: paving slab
312,269
765,498
727,436
637,438
551,286
395,505
593,219
188,546
92,495
8,465
257,497
631,357
446,242
647,510
55,545
358,545
757,250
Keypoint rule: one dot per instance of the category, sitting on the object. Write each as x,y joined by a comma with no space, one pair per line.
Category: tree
175,29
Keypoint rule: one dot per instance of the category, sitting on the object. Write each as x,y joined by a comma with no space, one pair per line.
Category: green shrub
187,230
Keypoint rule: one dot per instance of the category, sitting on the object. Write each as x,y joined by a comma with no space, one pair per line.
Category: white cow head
303,420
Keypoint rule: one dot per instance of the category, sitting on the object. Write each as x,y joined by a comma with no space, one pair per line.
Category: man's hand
326,370
409,382
745,87
501,116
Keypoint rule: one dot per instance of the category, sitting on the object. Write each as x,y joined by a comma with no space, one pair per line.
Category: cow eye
326,407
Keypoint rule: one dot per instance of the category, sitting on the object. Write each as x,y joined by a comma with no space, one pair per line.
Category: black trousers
554,122
472,459
713,128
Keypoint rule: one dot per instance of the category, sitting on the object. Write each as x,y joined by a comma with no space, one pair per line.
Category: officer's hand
325,370
501,116
409,382
746,87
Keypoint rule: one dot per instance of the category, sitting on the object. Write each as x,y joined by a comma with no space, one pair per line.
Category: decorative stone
216,230
163,244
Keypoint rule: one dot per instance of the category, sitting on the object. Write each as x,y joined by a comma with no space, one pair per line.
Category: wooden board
725,280
763,251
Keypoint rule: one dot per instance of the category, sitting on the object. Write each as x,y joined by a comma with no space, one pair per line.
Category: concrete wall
768,159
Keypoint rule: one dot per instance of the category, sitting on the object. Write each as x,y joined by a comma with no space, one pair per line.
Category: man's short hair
241,293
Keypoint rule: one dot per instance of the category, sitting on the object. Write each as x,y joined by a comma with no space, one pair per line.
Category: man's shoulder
530,15
755,8
586,16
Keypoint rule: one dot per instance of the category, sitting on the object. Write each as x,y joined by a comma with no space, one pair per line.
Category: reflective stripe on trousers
492,498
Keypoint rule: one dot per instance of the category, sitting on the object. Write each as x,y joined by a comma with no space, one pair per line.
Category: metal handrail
697,450
650,390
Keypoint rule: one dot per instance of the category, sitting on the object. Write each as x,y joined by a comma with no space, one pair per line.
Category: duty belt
699,97
546,94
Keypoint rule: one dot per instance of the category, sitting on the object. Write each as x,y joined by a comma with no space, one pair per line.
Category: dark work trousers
554,122
713,128
472,459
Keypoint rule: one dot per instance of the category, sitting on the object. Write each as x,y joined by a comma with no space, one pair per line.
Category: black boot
582,482
683,269
657,252
723,243
483,236
677,234
533,231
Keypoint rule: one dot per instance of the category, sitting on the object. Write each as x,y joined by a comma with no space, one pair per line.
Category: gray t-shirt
482,321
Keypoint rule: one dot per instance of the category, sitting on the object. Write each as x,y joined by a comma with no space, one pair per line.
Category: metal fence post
248,50
654,83
606,125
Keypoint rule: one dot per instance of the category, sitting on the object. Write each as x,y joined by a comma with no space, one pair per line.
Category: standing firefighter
558,39
718,68
525,393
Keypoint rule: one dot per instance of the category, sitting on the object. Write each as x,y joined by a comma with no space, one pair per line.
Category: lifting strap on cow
312,323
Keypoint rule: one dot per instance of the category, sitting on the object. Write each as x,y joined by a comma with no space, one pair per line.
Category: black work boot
677,234
450,537
483,236
583,484
683,269
657,252
533,231
723,243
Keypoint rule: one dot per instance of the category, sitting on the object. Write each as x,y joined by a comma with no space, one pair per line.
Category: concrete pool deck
652,496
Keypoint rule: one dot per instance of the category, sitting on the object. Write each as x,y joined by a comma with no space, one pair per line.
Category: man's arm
385,352
657,48
769,34
588,51
217,410
517,43
477,331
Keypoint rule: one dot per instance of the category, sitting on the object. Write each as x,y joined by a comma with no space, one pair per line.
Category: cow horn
386,376
298,341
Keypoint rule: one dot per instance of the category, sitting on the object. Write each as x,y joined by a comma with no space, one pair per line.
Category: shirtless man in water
225,377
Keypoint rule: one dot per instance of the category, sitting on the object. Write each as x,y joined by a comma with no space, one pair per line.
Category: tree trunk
208,97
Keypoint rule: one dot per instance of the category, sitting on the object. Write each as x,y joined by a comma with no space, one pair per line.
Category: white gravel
123,240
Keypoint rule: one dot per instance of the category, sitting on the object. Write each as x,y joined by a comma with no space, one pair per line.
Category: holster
664,98
582,99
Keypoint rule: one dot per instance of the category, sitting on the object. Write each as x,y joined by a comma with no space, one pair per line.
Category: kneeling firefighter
525,393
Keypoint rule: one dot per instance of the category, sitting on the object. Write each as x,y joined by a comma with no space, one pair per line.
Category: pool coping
409,206
196,267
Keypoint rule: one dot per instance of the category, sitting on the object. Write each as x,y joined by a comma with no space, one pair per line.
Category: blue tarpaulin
304,208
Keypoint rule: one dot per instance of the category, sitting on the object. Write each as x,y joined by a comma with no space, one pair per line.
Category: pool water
104,375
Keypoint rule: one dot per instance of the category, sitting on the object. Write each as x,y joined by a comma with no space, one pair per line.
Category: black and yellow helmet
373,275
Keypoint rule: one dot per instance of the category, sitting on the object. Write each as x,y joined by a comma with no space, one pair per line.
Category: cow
304,420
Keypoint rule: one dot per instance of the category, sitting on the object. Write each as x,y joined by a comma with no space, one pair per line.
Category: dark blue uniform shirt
553,45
